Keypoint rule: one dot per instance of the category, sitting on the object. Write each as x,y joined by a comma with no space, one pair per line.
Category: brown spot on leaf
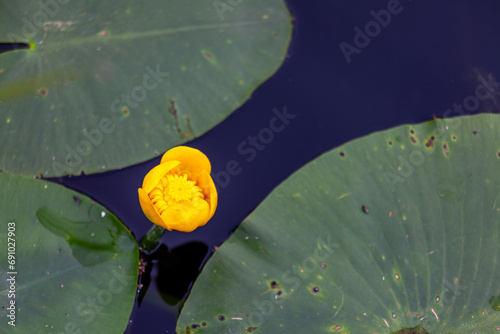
445,148
430,142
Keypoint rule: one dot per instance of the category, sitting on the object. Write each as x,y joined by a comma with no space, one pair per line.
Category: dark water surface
428,57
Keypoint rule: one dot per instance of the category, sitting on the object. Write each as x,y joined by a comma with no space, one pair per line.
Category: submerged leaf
91,243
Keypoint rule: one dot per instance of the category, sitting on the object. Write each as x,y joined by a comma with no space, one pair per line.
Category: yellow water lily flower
179,193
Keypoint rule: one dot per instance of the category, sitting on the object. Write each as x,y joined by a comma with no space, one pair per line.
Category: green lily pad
108,84
67,265
398,230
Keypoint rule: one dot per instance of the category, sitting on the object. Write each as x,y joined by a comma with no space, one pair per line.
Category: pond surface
423,60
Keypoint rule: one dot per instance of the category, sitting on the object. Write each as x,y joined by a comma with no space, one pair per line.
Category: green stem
151,240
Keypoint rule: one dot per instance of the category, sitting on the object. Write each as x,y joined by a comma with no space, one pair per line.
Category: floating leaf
74,264
108,84
395,231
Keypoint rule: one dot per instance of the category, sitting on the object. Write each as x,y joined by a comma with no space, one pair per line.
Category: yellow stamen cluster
174,189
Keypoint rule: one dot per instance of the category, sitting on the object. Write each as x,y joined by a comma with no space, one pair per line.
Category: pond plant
395,232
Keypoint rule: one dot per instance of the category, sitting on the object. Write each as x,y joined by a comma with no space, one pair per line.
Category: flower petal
154,176
186,217
206,183
191,159
213,199
148,208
